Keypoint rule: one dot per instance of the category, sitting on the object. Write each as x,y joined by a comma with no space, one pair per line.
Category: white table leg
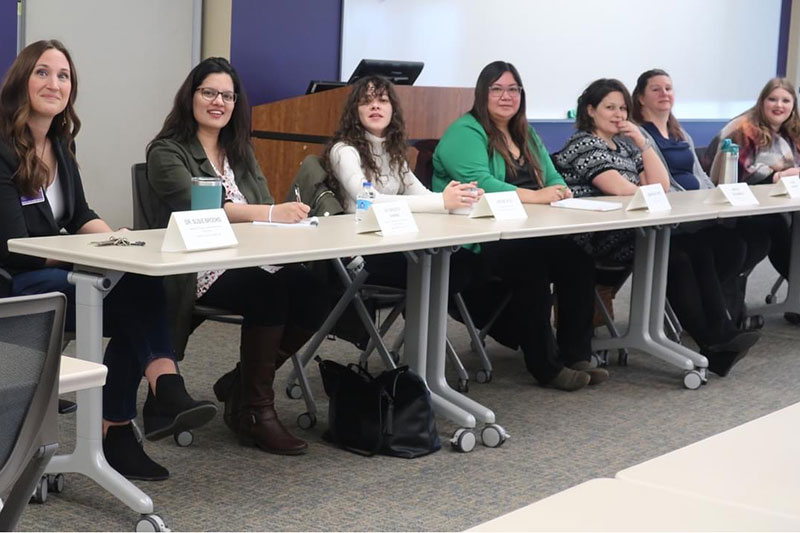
638,335
418,289
88,458
437,337
792,301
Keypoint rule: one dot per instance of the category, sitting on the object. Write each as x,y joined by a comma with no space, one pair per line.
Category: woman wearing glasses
207,133
40,194
494,146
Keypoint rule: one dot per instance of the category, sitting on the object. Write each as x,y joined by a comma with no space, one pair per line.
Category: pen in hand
297,194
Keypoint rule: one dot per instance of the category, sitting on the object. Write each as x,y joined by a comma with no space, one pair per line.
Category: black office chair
31,329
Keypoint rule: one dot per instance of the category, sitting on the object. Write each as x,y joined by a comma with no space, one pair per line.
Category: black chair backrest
141,194
423,169
31,330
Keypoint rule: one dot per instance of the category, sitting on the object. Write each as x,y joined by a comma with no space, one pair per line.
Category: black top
36,219
523,177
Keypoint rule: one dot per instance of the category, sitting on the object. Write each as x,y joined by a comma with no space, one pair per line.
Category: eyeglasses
211,94
497,91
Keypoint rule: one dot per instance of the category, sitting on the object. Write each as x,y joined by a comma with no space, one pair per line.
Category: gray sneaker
569,380
597,375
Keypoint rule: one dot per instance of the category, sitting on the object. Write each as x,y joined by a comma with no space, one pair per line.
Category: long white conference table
98,268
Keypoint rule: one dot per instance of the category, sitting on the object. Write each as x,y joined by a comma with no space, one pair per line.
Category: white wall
130,57
718,52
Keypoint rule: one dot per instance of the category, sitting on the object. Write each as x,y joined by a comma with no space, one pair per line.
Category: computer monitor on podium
398,72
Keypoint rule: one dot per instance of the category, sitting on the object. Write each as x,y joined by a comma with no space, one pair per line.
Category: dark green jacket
170,168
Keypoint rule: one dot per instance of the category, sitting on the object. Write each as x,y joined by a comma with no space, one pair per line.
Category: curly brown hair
759,126
15,111
351,132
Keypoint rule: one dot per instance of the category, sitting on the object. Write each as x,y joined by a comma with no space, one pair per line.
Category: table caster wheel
40,492
692,380
151,522
463,440
463,385
493,435
306,421
55,483
184,438
294,391
483,376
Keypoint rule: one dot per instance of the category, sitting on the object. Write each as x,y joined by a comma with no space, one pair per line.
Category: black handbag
390,414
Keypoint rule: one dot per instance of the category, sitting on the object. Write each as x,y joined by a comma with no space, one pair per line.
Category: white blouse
55,197
389,186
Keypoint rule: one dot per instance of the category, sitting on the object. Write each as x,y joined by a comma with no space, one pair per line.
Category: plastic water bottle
364,200
730,161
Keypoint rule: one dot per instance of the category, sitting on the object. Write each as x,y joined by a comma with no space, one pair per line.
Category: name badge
787,186
204,229
500,205
733,193
35,199
388,218
650,197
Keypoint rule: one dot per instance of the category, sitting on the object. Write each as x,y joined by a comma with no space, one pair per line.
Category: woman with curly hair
370,146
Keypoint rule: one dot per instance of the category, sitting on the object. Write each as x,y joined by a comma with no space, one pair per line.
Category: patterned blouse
206,278
757,164
585,156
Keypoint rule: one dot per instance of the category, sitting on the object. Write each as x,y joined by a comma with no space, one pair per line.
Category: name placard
650,197
732,193
389,218
500,205
204,229
787,186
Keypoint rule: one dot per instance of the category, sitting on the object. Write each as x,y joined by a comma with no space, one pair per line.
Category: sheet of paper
311,222
587,205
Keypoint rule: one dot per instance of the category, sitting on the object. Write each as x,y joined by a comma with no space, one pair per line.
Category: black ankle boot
125,454
171,410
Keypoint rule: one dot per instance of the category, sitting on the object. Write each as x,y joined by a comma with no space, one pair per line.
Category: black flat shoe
741,341
721,363
171,410
792,318
125,454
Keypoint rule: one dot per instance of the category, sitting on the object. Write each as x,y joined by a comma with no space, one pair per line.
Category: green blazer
170,168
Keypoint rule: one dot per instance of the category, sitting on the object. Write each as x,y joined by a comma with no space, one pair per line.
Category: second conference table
98,268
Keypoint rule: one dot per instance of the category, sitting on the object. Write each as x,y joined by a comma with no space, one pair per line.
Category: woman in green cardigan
207,133
494,145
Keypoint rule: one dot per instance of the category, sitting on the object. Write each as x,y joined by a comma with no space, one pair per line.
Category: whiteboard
719,53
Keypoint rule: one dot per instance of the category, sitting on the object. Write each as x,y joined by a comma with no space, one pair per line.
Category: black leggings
529,266
700,264
290,296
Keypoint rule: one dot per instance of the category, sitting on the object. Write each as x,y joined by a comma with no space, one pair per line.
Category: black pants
778,229
700,264
529,266
757,242
391,269
291,296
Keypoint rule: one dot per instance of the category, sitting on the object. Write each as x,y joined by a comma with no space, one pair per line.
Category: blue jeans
134,316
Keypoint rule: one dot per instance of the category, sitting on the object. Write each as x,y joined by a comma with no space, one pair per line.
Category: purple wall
278,46
8,35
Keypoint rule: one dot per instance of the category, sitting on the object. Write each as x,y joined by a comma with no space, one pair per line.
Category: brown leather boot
258,422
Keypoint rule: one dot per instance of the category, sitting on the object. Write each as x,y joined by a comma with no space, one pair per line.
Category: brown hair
593,95
518,126
15,111
757,124
351,132
673,126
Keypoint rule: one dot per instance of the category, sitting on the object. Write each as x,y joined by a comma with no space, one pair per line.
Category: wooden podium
286,131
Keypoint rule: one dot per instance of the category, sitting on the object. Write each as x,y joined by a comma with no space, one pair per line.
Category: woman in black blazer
41,194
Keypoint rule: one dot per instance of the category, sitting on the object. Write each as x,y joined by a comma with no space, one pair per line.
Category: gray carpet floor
557,440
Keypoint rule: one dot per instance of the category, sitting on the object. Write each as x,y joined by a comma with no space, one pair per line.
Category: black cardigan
36,220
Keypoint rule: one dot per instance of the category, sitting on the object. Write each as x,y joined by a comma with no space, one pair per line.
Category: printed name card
389,218
204,229
500,205
650,197
733,193
787,186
